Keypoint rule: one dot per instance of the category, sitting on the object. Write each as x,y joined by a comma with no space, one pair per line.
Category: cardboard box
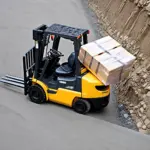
88,51
106,59
107,43
92,48
125,58
122,55
109,71
105,68
107,79
97,59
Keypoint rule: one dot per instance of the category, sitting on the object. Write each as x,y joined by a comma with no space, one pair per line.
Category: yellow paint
64,96
44,86
89,81
53,90
83,70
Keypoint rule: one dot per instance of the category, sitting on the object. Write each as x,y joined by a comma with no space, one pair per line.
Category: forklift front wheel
37,94
81,106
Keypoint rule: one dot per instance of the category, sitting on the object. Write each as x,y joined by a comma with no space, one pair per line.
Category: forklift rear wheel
37,94
82,106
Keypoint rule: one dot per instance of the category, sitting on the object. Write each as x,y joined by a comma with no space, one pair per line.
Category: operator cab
48,68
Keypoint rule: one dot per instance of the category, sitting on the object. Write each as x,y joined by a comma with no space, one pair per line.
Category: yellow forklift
69,83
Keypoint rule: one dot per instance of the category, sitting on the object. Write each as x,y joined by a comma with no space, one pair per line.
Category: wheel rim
80,107
35,95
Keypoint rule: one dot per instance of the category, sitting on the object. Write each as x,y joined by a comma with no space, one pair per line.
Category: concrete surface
27,126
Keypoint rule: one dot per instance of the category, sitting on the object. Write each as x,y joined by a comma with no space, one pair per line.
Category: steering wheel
55,53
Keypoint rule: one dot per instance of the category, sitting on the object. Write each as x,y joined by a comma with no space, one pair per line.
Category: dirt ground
128,22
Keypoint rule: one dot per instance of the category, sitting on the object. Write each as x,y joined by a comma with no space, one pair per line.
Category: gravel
125,118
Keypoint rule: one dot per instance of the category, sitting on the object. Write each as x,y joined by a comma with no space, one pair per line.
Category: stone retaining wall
128,21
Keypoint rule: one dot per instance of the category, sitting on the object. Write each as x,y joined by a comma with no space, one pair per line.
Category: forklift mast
38,37
33,58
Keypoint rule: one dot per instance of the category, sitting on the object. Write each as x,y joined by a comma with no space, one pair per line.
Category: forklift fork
28,65
11,80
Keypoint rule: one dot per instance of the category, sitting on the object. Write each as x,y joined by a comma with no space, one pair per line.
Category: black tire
81,106
37,94
100,105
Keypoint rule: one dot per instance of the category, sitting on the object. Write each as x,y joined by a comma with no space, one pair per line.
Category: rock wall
128,21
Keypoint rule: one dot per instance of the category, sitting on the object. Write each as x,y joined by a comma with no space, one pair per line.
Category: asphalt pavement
28,126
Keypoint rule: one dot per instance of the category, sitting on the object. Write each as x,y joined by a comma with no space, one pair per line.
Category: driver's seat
67,68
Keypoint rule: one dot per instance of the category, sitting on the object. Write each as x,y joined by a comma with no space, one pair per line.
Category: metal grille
30,59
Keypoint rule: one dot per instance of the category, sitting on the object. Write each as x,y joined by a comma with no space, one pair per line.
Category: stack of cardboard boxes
106,59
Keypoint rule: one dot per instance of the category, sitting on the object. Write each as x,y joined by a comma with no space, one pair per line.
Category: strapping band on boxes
106,59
